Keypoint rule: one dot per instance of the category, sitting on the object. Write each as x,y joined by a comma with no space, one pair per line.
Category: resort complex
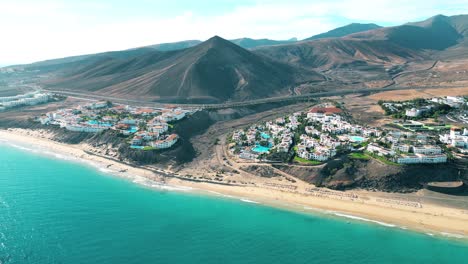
427,108
32,98
146,128
321,133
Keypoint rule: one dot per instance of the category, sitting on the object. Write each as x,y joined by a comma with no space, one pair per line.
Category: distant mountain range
345,30
218,70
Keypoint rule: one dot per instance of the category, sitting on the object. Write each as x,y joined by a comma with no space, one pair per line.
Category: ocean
54,210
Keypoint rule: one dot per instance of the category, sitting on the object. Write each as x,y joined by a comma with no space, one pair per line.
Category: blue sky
34,30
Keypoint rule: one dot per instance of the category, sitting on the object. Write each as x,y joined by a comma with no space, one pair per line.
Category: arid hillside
432,52
216,70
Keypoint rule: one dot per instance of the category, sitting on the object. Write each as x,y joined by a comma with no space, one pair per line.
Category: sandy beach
359,205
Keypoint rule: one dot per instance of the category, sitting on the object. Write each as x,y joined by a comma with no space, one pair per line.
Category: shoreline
431,219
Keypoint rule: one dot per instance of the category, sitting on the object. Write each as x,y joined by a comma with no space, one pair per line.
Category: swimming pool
137,147
95,122
264,135
133,129
260,149
356,138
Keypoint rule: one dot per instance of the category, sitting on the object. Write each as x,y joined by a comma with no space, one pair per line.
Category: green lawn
148,148
360,156
382,159
437,127
311,162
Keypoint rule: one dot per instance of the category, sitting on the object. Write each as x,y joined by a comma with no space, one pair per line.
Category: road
458,119
302,97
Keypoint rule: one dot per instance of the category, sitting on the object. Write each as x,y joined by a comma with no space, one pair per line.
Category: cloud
37,30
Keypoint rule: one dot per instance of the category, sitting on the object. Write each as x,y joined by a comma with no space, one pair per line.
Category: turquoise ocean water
57,211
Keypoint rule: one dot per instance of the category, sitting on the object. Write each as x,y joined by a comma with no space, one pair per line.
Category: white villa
166,143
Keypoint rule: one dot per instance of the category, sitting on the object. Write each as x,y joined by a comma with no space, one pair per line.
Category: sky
34,30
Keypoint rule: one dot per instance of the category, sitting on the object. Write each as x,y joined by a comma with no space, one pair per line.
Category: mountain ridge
216,69
344,31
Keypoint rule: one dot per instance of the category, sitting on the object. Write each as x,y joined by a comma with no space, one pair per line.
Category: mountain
436,33
370,58
53,64
249,43
76,61
380,46
216,70
175,45
340,52
344,31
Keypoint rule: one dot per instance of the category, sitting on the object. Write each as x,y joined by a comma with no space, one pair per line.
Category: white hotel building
166,143
421,158
83,128
21,100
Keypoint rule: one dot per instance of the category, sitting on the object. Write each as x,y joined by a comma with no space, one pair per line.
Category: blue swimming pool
265,135
356,138
137,147
260,149
95,122
133,129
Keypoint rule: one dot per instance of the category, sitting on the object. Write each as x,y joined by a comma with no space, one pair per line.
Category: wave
63,157
446,234
41,150
363,219
222,194
249,201
105,170
172,187
161,186
19,146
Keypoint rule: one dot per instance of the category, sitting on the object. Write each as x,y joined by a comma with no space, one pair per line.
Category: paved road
302,97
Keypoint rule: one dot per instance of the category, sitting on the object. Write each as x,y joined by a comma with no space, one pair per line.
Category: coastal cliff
346,173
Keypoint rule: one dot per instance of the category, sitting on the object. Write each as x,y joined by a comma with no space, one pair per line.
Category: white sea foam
222,194
43,151
3,203
21,147
249,201
105,170
429,234
161,186
313,209
363,219
217,193
452,235
173,187
62,157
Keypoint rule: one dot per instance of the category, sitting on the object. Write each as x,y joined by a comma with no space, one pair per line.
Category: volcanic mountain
436,33
389,45
249,43
371,57
214,71
344,31
218,70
